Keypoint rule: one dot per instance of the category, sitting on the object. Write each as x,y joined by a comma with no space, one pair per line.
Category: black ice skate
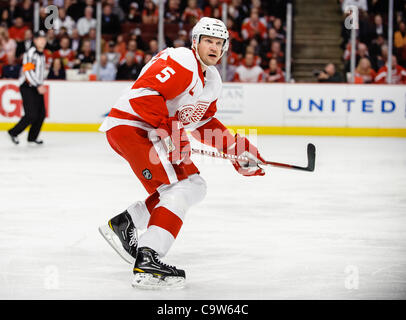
14,139
123,228
151,273
35,142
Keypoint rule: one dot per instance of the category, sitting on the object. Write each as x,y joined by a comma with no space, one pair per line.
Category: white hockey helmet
210,27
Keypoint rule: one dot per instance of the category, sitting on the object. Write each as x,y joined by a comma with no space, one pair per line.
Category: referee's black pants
34,112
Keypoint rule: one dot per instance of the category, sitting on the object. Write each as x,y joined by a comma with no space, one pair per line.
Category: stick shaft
310,155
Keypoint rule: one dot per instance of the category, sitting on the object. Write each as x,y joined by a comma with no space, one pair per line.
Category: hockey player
177,90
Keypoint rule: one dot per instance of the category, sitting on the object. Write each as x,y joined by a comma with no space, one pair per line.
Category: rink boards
295,109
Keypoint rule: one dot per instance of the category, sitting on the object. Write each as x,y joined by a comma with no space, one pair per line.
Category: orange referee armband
28,66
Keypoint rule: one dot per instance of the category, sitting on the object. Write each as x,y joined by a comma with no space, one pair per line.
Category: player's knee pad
180,196
198,189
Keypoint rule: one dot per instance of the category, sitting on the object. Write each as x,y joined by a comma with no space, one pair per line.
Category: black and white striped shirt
33,70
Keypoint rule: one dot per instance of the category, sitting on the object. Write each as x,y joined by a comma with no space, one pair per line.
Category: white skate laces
133,237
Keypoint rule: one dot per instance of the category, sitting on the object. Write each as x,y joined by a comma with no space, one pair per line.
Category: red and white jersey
170,84
398,75
248,74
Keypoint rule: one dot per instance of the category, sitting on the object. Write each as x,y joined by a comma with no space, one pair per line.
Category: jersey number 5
165,74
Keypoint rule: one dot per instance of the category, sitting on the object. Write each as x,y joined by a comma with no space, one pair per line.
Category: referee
32,91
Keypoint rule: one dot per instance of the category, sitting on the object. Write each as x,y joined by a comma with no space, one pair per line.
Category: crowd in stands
372,41
129,31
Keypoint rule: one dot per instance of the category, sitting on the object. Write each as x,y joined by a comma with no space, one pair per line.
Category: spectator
400,43
362,52
65,53
63,33
376,51
86,56
57,71
172,13
13,10
364,72
257,5
52,42
383,57
398,73
75,40
86,22
135,35
9,45
27,11
153,47
138,54
23,46
3,57
64,21
329,74
12,69
150,13
128,70
213,9
277,53
112,55
91,36
147,58
177,43
248,71
121,46
110,21
274,73
280,32
183,35
5,20
107,70
252,49
266,44
365,29
133,13
17,31
116,10
76,10
238,11
192,13
378,28
253,27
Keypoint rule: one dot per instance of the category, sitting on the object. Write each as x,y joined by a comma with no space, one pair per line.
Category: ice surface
337,233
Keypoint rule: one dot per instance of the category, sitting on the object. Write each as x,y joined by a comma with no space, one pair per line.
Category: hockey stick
311,159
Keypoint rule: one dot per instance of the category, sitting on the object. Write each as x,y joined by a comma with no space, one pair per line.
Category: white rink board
273,105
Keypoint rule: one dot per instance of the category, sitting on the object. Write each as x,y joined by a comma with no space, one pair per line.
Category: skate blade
149,282
115,243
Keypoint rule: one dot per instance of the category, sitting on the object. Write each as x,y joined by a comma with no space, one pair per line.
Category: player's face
209,50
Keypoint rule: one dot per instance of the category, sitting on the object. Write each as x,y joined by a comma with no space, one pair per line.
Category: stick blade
311,156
